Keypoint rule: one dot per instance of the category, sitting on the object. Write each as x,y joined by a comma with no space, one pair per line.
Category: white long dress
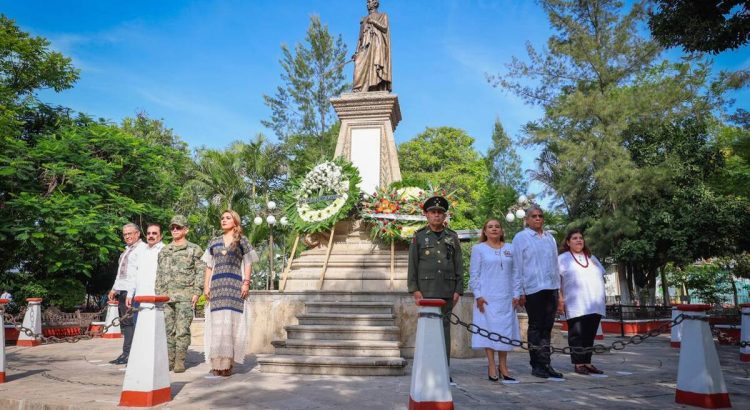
492,278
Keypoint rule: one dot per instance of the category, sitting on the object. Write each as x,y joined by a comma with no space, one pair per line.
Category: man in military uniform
180,276
435,263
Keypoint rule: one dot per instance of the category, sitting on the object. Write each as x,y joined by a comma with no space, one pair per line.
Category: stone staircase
339,338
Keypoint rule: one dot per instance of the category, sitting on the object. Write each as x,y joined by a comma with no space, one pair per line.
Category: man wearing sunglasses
127,270
179,276
536,281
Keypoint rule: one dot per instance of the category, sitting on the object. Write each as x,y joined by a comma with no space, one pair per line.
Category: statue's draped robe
372,66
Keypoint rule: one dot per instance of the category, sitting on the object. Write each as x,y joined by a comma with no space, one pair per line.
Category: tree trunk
622,284
664,287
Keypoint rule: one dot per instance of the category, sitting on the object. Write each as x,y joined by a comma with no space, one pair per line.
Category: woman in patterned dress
229,261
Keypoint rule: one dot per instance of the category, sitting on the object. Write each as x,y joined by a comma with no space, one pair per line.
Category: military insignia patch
507,253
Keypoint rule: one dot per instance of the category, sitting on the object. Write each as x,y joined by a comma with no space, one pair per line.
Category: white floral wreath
326,179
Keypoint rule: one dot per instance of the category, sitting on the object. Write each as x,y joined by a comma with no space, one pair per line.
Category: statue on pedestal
372,60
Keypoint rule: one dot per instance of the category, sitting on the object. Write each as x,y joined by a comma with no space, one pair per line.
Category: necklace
497,250
576,259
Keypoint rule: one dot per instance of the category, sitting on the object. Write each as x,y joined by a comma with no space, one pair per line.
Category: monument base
355,263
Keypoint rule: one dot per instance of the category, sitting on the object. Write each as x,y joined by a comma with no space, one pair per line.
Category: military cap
179,220
436,202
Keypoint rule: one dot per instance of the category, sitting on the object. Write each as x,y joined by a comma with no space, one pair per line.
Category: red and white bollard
745,332
599,332
112,312
430,380
3,302
700,382
147,375
31,320
674,341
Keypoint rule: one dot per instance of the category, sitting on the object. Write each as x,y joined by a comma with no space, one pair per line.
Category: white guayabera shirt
534,263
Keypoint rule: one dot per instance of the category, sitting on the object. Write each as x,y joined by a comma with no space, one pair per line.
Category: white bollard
3,302
599,332
147,375
31,320
674,341
745,332
700,382
112,313
430,385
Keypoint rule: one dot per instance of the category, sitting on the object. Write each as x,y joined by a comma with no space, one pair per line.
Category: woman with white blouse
491,282
581,297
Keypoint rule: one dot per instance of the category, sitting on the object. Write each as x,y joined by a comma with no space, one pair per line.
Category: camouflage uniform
179,276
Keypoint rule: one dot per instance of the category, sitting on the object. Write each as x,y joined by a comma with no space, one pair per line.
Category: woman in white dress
491,282
582,297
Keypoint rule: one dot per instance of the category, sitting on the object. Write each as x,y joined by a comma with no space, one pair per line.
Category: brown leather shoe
582,369
592,369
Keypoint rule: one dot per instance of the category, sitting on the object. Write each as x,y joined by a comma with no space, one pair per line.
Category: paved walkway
77,376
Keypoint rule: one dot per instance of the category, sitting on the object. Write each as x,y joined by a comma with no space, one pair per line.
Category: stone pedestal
356,263
272,311
366,136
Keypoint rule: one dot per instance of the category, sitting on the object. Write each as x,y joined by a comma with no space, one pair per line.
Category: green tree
446,158
503,160
85,181
27,65
242,177
710,26
301,113
601,85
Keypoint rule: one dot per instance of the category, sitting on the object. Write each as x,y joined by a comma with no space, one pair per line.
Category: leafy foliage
627,142
301,113
706,26
445,157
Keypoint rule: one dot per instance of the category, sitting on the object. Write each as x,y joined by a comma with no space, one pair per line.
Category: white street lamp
271,219
271,205
258,220
284,221
520,214
510,217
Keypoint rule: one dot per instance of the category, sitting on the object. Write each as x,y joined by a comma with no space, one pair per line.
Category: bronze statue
372,60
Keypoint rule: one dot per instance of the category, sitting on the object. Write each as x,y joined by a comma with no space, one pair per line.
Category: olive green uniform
436,270
180,276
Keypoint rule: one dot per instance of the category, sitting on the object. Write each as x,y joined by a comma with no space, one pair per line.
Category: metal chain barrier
597,348
87,335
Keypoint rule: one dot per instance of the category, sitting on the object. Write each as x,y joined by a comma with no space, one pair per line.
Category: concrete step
361,319
342,332
333,365
348,348
349,307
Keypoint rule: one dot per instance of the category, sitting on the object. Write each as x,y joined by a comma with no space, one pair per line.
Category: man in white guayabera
127,271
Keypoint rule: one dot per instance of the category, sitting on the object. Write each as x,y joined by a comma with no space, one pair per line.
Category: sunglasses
176,228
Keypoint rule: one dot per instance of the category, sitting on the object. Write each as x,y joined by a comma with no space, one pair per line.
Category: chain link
597,348
87,335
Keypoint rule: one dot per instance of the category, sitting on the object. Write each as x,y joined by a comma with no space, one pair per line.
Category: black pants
127,326
542,309
446,310
581,333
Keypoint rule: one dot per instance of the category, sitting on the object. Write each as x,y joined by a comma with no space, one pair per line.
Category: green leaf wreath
323,197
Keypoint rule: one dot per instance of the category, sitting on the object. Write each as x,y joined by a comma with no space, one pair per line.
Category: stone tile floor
77,376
